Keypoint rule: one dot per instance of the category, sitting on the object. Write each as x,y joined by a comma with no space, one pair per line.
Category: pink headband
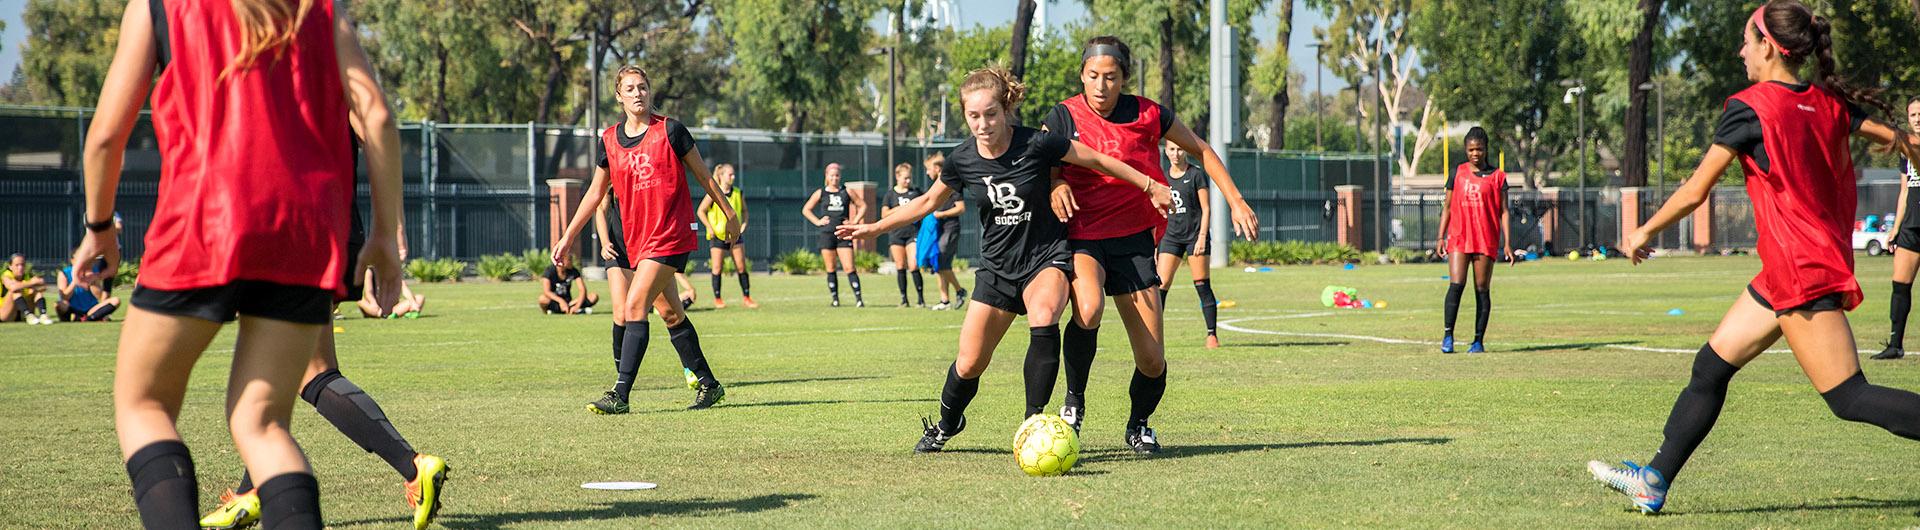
1759,22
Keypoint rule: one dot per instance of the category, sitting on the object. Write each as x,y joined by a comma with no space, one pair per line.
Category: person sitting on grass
89,302
22,290
556,292
409,306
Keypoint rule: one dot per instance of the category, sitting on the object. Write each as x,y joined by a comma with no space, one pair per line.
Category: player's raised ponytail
265,26
1007,89
1803,35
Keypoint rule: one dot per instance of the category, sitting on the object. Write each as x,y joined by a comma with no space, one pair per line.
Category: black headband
1108,50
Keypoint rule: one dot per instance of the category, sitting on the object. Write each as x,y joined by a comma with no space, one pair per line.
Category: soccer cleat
857,302
934,440
1213,342
686,303
1643,485
719,303
1476,347
903,303
1892,352
1142,440
707,396
235,511
835,303
1073,414
423,492
587,311
693,381
1446,344
942,306
750,303
608,404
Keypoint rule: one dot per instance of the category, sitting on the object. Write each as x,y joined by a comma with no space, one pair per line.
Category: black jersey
1183,222
562,280
896,199
834,207
1911,179
1019,232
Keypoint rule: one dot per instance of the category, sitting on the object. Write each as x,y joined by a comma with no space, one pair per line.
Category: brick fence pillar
1550,221
1630,211
1346,215
1703,227
563,197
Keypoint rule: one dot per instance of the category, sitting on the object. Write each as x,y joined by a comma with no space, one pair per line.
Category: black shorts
1908,237
620,259
1127,260
721,244
828,241
299,305
677,261
1008,293
1829,302
1173,245
950,243
559,308
903,237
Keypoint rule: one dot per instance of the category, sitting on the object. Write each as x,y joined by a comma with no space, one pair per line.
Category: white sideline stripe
1229,325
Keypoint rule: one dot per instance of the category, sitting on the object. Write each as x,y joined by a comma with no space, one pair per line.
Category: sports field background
1310,417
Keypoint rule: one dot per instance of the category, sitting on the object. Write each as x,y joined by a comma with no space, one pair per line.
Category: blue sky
971,13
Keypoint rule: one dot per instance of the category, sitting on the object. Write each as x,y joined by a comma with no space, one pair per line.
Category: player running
1026,263
1790,137
723,243
901,242
1186,237
836,206
271,251
646,159
1473,225
940,235
1112,230
1906,248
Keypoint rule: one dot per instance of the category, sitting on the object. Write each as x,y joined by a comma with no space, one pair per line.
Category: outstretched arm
128,80
1244,220
901,216
1081,155
1689,196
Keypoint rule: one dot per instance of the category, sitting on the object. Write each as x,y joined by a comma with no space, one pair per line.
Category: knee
1840,399
1087,313
969,368
672,316
1151,366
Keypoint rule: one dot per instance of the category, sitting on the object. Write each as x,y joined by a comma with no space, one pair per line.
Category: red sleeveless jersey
1803,203
1110,207
256,168
1474,207
656,208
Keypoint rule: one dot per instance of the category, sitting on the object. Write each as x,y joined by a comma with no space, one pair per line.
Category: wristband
99,227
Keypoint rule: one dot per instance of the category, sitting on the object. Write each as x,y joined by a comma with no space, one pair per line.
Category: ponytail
265,26
1006,89
1801,34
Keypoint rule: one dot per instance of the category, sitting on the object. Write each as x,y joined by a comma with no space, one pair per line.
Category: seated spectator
92,302
409,306
556,292
22,300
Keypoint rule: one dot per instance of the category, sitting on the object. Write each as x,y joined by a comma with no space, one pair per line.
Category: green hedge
439,270
1291,253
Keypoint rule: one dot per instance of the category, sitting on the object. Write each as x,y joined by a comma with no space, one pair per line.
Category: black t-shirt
563,281
677,135
835,206
1127,110
1183,223
896,199
1739,127
1912,181
1019,232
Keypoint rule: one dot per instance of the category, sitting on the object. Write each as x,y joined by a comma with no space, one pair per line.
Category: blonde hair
266,26
903,168
1007,89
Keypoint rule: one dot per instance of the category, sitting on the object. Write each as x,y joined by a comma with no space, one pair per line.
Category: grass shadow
802,380
696,507
1574,346
1185,451
1284,344
798,403
1843,503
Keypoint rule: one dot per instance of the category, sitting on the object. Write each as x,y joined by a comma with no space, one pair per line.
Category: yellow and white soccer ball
1046,446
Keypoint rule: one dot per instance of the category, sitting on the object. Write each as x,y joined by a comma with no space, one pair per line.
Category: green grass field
1309,417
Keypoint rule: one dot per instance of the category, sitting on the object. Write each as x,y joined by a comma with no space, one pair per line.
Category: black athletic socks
853,279
954,397
1902,304
1897,411
1146,393
1078,346
686,342
746,287
833,285
900,277
356,415
632,350
1163,295
1209,307
1694,412
1482,310
1452,314
619,336
289,501
919,288
716,284
1042,367
164,488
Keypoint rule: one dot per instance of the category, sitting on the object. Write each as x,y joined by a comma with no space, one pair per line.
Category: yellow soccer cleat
423,492
235,511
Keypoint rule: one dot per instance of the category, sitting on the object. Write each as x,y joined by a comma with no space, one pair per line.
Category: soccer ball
1046,446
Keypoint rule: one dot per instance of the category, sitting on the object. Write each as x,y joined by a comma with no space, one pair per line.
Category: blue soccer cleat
1446,344
1476,347
1643,485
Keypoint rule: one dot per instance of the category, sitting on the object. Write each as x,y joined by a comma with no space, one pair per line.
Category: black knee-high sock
1694,412
919,289
686,342
954,397
1902,304
164,487
1146,393
1897,411
833,284
619,336
1482,310
900,277
290,501
1163,295
356,415
1209,307
746,287
1077,346
716,284
632,350
1452,312
1043,366
853,278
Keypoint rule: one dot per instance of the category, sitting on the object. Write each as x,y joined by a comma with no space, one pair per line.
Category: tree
1371,36
1278,62
1022,31
1177,32
69,45
1056,60
1639,71
797,53
1501,66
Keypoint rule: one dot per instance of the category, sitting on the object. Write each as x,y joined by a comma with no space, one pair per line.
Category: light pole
1578,88
1319,98
1379,162
1659,140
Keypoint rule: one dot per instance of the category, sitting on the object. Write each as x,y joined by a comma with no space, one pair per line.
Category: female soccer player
647,158
272,249
1112,229
1790,137
1023,248
1906,248
1473,225
722,242
901,241
946,226
1186,237
837,206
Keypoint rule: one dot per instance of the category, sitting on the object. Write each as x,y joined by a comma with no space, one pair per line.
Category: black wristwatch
101,226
